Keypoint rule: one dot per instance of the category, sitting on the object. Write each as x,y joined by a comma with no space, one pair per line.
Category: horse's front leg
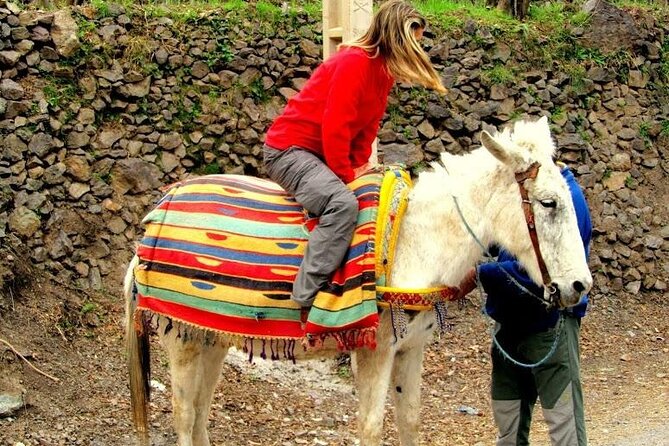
407,376
372,376
405,390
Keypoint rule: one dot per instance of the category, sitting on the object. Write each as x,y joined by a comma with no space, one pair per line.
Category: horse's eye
548,203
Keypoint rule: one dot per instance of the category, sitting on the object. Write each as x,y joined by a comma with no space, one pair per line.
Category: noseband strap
521,177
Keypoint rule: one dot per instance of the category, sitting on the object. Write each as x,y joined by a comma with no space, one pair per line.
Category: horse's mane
478,158
525,140
529,136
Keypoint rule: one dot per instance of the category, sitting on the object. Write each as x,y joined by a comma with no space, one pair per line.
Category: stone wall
97,113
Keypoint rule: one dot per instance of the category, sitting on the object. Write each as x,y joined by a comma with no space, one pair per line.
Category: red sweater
337,113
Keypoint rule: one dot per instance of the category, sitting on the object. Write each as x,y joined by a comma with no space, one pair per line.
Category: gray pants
312,183
556,383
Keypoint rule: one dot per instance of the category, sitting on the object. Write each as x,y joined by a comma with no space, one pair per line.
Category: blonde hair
392,35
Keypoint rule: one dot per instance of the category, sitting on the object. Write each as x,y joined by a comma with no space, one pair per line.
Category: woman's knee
346,204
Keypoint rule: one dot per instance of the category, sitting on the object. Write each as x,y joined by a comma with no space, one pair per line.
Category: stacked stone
139,104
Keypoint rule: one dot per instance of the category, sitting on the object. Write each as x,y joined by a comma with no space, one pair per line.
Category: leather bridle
530,174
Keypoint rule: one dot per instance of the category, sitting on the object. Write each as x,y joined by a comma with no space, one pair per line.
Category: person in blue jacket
527,330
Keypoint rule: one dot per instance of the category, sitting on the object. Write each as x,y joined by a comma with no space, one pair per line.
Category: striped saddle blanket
221,252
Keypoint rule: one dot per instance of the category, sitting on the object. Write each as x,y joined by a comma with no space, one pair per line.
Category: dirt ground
625,371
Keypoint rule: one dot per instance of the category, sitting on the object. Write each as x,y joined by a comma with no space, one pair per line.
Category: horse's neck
434,246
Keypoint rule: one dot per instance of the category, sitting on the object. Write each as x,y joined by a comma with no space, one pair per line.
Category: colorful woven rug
221,252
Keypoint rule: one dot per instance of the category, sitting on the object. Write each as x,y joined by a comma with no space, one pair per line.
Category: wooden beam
344,20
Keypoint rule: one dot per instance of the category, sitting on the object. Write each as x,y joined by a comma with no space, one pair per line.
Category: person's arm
581,207
584,222
361,146
504,277
347,83
468,283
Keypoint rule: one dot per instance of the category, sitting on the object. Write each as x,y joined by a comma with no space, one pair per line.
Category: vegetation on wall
546,40
158,91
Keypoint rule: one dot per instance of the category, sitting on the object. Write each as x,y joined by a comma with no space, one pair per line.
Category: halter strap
521,177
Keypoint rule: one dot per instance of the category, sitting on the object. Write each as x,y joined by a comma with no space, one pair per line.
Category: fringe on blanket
146,321
346,340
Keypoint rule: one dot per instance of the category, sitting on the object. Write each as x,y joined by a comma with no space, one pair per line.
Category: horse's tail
139,355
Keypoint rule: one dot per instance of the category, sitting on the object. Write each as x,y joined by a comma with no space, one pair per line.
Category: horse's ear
544,126
495,148
544,129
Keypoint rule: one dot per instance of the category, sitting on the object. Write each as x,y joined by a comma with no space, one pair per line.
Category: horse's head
556,258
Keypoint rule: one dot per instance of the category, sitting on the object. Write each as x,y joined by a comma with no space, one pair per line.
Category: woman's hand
365,168
467,284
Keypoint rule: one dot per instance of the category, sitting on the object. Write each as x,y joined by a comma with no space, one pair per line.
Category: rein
530,173
554,345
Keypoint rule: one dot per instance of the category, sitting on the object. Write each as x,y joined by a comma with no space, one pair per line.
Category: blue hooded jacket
514,308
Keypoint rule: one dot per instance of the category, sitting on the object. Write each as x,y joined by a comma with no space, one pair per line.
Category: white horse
434,248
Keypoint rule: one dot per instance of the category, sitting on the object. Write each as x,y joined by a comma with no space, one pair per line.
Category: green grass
607,173
88,307
190,11
642,4
544,39
665,128
452,15
211,169
557,113
629,182
259,93
102,7
266,10
221,55
546,31
187,112
499,74
644,127
576,73
664,61
545,16
547,13
59,92
579,18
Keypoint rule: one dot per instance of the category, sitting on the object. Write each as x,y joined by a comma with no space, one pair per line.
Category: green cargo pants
556,382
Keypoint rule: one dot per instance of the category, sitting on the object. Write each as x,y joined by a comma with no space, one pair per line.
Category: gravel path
625,372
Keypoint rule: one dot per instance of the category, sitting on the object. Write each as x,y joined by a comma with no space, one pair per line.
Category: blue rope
496,343
469,229
487,254
558,332
524,289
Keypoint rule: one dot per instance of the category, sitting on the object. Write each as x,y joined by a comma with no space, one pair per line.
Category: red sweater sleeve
361,146
348,81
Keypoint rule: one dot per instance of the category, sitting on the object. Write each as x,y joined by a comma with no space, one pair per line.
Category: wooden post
345,20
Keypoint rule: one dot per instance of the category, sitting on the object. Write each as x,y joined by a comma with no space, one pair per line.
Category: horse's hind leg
211,363
194,368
